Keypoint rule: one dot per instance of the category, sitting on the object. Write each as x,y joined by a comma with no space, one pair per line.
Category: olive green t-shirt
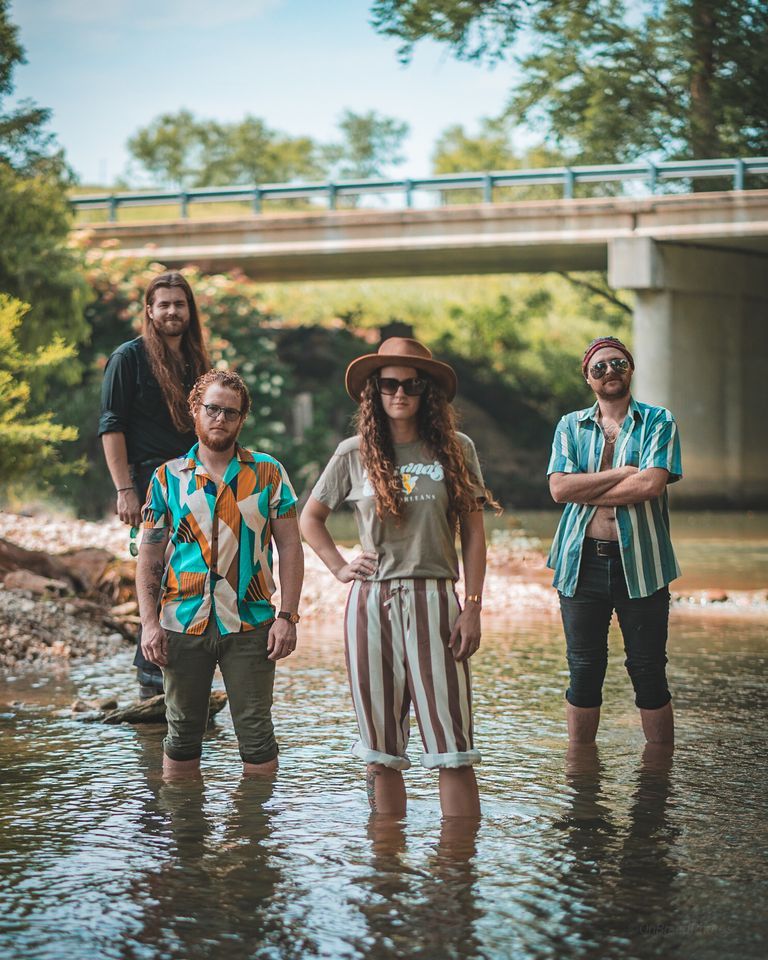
422,544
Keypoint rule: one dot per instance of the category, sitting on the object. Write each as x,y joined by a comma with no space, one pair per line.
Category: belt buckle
603,549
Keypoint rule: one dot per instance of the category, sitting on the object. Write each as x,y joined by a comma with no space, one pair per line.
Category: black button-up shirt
132,403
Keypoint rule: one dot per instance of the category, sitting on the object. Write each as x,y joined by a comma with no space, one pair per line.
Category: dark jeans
601,589
149,674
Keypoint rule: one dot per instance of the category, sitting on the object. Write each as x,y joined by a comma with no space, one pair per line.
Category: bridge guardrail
649,172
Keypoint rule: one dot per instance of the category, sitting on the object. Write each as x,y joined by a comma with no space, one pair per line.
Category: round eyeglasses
214,410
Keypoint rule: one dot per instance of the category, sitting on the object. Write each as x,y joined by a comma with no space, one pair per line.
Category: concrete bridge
698,264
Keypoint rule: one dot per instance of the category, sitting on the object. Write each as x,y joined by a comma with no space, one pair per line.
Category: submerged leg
458,792
386,790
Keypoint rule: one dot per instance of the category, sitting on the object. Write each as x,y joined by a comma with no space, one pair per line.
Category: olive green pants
248,679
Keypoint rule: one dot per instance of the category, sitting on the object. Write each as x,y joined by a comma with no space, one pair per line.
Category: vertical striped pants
396,635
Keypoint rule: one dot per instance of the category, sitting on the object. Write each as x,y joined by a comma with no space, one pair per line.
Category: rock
34,583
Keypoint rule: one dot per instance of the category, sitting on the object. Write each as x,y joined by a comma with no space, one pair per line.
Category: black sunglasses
213,410
599,370
133,547
413,386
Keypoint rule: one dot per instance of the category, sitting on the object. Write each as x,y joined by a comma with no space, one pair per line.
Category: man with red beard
222,506
610,465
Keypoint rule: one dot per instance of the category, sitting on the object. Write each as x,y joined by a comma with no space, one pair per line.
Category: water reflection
619,872
430,911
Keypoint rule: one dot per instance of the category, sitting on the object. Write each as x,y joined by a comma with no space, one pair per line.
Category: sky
108,67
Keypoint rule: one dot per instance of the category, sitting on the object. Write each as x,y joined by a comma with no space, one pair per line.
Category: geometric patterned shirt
648,438
221,562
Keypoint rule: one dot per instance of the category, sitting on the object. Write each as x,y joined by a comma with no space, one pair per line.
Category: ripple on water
611,853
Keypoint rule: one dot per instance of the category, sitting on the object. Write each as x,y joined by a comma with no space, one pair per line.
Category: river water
618,852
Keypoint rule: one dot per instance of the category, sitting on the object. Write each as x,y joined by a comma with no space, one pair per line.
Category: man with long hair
145,419
222,507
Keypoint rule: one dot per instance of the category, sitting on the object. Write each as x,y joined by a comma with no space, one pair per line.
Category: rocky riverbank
90,612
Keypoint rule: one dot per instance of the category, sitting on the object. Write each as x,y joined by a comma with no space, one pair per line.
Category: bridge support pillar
701,349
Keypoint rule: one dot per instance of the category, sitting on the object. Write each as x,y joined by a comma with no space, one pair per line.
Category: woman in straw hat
413,480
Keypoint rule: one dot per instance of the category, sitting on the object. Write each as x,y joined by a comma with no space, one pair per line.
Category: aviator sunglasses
618,364
412,387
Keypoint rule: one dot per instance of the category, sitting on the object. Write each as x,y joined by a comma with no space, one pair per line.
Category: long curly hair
436,424
168,369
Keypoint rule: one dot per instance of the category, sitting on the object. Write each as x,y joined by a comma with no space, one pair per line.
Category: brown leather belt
602,548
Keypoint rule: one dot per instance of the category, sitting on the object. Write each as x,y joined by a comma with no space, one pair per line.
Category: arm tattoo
154,536
370,787
153,585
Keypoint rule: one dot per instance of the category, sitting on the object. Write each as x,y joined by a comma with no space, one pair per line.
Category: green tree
30,441
491,148
371,144
36,264
608,80
183,150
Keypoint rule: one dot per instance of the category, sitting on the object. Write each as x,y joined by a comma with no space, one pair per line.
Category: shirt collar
192,460
592,413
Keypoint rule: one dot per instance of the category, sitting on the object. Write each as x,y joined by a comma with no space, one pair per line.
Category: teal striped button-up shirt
648,438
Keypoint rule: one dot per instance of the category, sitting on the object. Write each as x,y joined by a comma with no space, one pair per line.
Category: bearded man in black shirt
145,419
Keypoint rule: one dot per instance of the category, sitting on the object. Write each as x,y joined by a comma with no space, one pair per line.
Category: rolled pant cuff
264,756
585,703
176,753
385,759
654,704
450,760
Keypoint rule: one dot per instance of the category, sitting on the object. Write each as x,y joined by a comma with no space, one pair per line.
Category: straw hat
399,352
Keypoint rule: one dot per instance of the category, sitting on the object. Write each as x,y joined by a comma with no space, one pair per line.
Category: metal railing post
652,176
183,205
256,201
112,208
487,188
738,175
331,196
569,179
408,184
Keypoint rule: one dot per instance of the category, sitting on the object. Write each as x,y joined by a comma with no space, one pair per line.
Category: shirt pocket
631,456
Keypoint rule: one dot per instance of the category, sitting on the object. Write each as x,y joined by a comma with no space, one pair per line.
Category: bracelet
474,597
120,489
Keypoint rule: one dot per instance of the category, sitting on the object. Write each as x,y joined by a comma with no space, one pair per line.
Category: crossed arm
609,488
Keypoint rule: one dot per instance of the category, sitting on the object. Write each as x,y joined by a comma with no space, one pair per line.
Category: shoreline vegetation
89,610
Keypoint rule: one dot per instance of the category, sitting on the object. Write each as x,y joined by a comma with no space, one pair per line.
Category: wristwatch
290,617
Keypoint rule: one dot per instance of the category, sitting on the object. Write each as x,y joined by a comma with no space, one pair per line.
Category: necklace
609,439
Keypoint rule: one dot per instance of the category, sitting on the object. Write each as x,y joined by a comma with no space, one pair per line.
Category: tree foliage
491,148
183,150
30,441
371,143
36,264
609,80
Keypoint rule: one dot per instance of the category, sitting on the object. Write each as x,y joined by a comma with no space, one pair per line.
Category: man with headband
610,465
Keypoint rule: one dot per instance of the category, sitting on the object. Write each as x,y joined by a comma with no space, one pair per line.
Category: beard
613,394
218,442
